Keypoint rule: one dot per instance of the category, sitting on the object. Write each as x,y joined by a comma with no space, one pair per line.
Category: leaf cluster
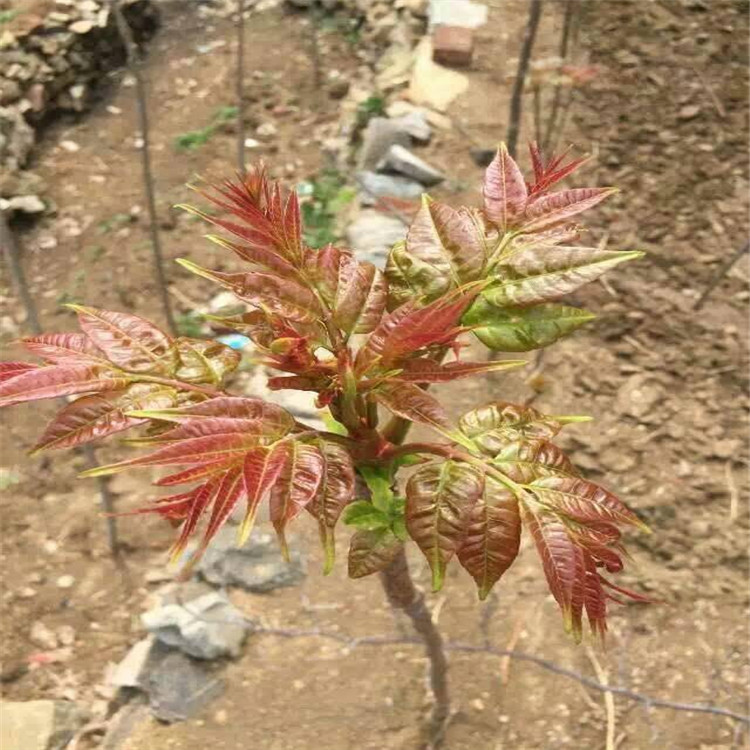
369,344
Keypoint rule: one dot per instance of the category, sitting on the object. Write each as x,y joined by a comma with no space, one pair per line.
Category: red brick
453,45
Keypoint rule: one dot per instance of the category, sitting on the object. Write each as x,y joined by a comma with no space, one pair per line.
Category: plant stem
134,66
402,594
514,118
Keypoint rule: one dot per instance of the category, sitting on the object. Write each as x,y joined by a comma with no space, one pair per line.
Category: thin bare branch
514,118
135,65
724,269
241,86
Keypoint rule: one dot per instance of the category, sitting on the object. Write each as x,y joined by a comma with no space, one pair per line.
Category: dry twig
609,701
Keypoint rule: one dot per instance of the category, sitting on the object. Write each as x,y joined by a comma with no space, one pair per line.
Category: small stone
26,593
39,725
70,146
689,112
252,143
221,717
65,582
477,704
81,27
482,157
728,448
457,13
431,84
374,186
26,204
338,89
403,161
373,234
380,134
131,671
639,396
66,634
40,635
266,130
699,529
453,46
415,124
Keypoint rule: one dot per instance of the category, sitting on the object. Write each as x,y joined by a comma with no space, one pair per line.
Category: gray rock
415,125
380,134
400,159
374,186
39,725
179,687
457,13
373,234
208,627
132,671
258,566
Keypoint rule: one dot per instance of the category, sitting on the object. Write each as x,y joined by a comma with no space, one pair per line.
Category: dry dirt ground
666,120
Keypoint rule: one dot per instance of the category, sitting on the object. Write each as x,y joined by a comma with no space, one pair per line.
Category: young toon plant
362,339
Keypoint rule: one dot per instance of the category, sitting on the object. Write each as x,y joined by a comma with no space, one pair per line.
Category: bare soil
665,119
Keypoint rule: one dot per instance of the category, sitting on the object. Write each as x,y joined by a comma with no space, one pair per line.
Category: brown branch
135,64
240,86
514,118
571,9
725,268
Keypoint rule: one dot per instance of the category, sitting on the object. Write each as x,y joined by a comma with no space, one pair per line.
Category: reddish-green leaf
127,340
552,209
203,361
411,402
444,248
505,190
335,491
360,297
583,501
191,475
493,426
66,349
493,536
260,256
526,460
94,417
439,498
200,450
372,551
58,380
264,291
541,273
296,486
521,329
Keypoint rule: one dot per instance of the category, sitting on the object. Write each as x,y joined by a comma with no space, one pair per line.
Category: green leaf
438,500
372,551
379,483
541,273
521,329
364,515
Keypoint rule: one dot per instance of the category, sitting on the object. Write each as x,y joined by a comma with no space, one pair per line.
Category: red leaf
583,501
127,340
261,470
505,191
546,175
372,551
58,380
427,370
264,257
296,486
526,460
228,493
559,207
193,474
10,370
94,417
